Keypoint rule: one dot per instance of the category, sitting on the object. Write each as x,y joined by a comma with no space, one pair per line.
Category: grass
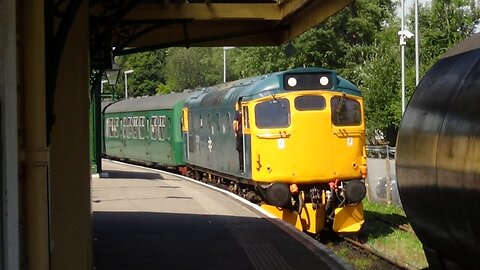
400,245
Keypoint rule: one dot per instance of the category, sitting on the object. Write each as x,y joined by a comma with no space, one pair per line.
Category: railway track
402,227
394,262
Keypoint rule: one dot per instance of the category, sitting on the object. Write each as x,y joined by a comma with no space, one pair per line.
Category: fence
382,181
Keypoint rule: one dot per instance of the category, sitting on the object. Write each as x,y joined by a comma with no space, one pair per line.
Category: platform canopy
135,26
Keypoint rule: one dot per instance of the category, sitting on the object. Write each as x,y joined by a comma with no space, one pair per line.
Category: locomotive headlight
324,81
292,82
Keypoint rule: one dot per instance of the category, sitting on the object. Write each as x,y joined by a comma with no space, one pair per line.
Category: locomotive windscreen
308,81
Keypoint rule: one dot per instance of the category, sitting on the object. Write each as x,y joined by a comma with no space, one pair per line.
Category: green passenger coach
146,130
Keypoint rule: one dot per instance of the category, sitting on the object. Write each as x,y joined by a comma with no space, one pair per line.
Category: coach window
120,127
135,127
161,128
115,124
310,103
107,127
111,127
116,121
129,127
345,111
141,124
124,127
153,128
273,113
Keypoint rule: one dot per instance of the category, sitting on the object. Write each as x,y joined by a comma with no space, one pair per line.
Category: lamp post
417,51
225,62
126,81
404,34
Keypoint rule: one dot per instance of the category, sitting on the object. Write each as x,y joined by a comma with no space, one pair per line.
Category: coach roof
160,102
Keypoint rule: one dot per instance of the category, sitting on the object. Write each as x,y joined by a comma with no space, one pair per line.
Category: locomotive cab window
273,113
345,111
309,103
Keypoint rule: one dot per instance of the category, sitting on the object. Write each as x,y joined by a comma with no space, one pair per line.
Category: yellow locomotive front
308,151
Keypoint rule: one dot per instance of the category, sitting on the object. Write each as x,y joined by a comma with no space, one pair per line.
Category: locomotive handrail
273,136
345,133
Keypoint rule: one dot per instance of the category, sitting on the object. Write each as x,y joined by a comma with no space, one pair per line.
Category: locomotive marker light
292,82
324,80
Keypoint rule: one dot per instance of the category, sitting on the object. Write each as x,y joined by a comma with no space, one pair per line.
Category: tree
379,79
342,42
193,67
443,24
148,72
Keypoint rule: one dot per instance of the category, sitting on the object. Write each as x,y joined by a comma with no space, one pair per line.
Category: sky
409,4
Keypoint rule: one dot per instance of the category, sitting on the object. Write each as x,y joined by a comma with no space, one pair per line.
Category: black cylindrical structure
438,159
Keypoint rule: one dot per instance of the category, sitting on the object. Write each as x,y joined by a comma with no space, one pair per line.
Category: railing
380,151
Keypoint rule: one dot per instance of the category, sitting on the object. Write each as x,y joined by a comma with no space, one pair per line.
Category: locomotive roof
149,103
255,87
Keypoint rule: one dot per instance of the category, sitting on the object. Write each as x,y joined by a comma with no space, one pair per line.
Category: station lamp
113,73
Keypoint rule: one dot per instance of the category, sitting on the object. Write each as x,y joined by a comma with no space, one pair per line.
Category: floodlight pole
417,51
225,62
126,82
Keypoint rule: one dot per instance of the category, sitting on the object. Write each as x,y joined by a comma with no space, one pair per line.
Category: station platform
150,219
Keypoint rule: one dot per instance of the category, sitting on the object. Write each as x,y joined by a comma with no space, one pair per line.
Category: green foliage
342,42
193,67
443,24
148,73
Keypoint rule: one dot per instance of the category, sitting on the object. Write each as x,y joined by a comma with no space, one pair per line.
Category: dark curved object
355,191
278,194
438,159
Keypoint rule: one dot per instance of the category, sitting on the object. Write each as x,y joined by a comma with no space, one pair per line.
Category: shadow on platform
148,240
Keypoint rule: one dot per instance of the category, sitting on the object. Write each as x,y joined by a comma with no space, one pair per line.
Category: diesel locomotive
299,149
